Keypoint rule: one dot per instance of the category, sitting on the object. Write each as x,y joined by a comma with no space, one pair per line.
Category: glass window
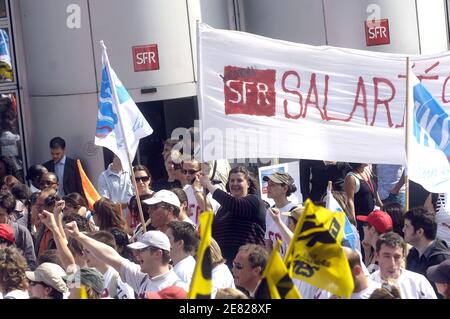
6,70
2,9
10,140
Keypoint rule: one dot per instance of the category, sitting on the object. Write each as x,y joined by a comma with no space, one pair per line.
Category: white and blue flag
117,110
350,232
429,148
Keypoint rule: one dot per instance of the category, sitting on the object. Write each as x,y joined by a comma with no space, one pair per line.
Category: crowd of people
142,243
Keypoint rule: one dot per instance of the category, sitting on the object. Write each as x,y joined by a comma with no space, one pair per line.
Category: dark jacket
433,255
24,241
239,221
71,180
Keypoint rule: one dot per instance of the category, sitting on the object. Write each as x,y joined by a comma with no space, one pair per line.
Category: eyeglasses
190,171
156,206
142,179
47,183
237,266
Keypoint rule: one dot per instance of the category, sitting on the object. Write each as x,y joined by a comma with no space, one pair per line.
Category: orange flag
90,192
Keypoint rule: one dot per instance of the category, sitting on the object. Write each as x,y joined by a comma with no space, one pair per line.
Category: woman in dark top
361,190
240,219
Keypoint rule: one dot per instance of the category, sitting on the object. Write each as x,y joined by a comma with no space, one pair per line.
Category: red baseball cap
380,220
7,233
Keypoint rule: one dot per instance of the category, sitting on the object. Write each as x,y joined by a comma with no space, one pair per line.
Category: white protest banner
265,98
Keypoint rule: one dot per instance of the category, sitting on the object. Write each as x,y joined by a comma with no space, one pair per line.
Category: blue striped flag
115,104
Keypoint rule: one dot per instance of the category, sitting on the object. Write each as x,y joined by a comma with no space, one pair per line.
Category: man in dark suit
64,167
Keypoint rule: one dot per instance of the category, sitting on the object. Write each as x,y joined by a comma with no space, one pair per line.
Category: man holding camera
44,236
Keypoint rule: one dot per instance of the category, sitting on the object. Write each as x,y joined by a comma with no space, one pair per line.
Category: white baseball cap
152,238
163,196
50,274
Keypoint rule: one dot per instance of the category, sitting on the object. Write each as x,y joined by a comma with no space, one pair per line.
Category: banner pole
133,178
407,133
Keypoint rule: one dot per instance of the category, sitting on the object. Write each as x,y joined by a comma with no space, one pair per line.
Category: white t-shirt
185,269
188,220
443,219
412,285
273,231
141,282
308,291
366,293
17,294
221,278
113,285
194,210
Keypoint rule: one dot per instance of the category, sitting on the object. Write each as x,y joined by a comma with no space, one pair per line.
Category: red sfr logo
377,32
249,91
145,57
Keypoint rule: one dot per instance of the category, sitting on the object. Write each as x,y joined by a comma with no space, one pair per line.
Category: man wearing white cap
164,207
153,272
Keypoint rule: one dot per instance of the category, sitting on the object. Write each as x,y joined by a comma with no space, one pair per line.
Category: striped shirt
239,220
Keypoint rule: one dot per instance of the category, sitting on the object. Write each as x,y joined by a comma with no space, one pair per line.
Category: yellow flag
90,192
315,254
277,278
201,284
83,292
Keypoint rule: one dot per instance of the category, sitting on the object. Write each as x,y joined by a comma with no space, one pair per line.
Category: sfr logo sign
377,32
145,57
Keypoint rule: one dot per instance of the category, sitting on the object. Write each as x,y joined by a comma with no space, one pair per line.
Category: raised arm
57,212
200,196
103,252
67,259
275,214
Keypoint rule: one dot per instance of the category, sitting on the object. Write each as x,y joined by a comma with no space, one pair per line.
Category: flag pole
407,134
133,177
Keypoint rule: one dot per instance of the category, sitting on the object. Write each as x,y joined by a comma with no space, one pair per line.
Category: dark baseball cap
440,273
90,277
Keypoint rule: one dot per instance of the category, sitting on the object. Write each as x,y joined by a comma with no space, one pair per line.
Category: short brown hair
391,239
257,255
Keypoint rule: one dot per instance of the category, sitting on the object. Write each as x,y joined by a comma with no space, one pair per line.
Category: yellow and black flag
276,277
315,254
201,284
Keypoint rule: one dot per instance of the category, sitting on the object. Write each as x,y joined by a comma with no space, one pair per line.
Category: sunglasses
190,171
156,206
50,201
142,179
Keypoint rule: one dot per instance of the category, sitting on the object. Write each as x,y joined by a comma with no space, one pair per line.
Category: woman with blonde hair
221,274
